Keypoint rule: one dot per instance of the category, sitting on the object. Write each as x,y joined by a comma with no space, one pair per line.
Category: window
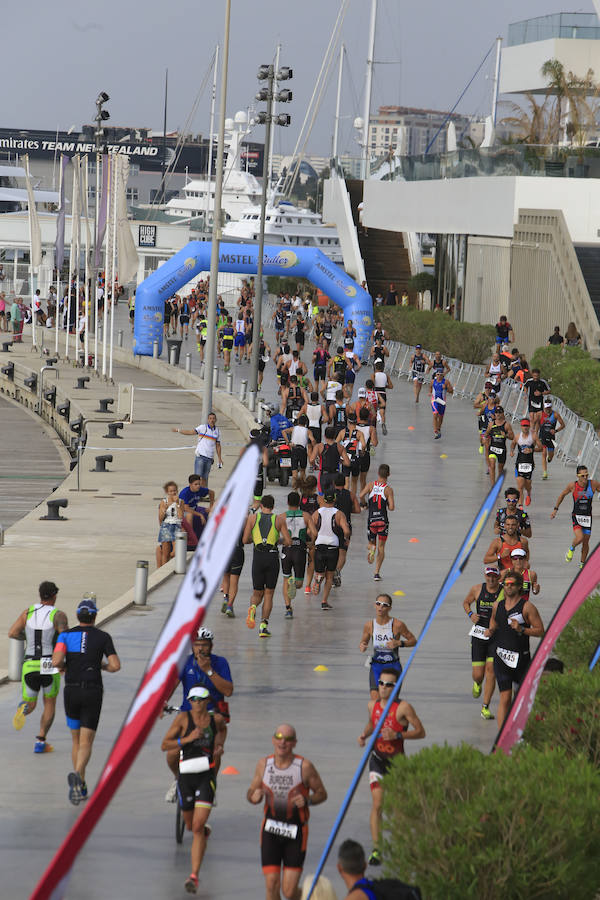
134,168
132,194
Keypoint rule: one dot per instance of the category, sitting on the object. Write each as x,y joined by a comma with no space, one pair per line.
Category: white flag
126,249
75,207
35,237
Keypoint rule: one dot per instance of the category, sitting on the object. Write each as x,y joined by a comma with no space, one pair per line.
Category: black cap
48,590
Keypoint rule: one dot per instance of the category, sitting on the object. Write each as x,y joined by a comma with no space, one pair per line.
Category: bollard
243,386
216,377
1,535
141,583
9,371
230,382
113,427
251,400
104,404
173,356
101,463
120,337
16,652
188,362
81,382
180,552
54,507
202,367
154,349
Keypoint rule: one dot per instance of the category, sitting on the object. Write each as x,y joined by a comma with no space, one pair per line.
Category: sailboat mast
368,89
211,128
164,153
334,148
496,87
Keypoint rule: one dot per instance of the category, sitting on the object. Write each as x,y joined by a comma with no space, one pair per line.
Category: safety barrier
576,444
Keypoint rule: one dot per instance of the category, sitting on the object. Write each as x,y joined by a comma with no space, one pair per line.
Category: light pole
101,116
268,74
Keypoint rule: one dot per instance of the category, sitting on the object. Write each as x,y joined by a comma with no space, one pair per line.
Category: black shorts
377,529
131,313
381,398
315,430
261,365
365,462
236,563
300,338
481,651
531,408
353,469
378,767
227,342
326,558
320,373
507,677
525,475
299,457
548,443
265,570
83,704
184,320
276,851
499,457
294,558
198,788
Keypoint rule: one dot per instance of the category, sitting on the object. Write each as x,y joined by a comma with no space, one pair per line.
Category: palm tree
575,90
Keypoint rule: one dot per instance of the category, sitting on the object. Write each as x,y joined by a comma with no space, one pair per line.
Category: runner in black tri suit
484,595
496,435
347,502
418,363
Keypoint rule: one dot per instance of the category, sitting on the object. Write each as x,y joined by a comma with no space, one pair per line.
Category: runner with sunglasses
388,636
496,435
483,595
582,491
526,445
288,784
401,724
511,496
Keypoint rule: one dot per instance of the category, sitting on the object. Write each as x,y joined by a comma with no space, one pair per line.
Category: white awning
19,195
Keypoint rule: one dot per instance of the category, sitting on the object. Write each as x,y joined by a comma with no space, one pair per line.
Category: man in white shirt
209,442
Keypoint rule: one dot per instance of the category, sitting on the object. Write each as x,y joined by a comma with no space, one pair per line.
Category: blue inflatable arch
304,262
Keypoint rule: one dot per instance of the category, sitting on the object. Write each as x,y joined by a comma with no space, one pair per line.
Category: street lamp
266,94
101,116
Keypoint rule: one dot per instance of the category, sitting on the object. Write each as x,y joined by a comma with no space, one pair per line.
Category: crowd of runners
299,543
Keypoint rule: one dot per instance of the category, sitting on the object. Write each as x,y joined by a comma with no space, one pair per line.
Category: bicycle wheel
179,824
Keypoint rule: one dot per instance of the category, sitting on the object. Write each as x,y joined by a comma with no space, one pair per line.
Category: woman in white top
315,414
170,517
299,437
388,636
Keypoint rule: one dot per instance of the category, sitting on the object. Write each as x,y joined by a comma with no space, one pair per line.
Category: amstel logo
158,317
190,263
287,259
350,290
366,320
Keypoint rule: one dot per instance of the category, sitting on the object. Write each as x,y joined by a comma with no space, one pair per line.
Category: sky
58,56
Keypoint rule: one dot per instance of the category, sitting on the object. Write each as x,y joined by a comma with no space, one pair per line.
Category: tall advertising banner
585,583
303,262
160,678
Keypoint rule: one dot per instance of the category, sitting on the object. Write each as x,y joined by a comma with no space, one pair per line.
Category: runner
320,359
231,578
264,355
513,621
496,372
332,529
537,388
369,432
401,724
418,362
316,413
383,383
293,398
504,332
380,501
388,636
329,393
440,388
329,453
309,503
520,564
496,435
499,551
523,524
240,337
264,529
526,444
353,366
485,405
582,490
299,436
198,734
483,595
550,424
347,502
293,558
354,444
338,365
438,364
226,334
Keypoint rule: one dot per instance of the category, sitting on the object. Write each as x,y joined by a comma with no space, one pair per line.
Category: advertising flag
35,235
102,211
126,249
59,252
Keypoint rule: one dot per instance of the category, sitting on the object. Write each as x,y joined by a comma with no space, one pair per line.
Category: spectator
379,299
193,497
573,338
2,275
170,516
3,322
392,296
556,339
209,443
504,331
16,320
404,299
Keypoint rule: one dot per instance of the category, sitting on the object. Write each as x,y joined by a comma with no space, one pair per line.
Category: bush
575,378
289,285
464,825
466,341
580,637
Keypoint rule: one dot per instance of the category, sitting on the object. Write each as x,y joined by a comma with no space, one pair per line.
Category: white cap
518,552
198,691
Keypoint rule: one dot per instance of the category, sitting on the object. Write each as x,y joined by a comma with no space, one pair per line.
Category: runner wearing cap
496,435
582,490
526,444
520,564
483,595
550,424
79,653
199,734
380,501
418,362
38,626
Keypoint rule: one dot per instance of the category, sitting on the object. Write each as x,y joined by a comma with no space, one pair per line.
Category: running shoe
476,690
263,631
229,612
527,500
42,747
316,585
371,556
375,858
191,884
171,795
251,617
84,791
326,605
544,476
289,612
19,716
224,607
74,782
376,577
291,587
308,589
481,449
485,712
437,435
384,427
568,558
337,579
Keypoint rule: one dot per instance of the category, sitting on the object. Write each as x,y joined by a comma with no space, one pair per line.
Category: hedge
471,343
574,377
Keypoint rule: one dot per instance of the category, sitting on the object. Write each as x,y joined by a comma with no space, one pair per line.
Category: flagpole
109,187
68,304
113,266
86,292
32,286
56,312
77,262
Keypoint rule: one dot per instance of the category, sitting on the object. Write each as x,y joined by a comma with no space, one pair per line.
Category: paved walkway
437,499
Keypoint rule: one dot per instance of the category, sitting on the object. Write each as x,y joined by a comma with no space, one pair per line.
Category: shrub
580,637
288,285
466,341
575,378
464,825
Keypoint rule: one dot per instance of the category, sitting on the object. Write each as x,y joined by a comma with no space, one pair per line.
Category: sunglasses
381,603
284,737
511,499
510,583
198,699
387,684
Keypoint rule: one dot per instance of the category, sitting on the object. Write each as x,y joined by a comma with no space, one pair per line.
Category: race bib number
498,450
281,829
285,462
194,765
509,657
536,404
477,631
584,521
525,468
46,667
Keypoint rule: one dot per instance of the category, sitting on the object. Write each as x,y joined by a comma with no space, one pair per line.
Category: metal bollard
230,382
188,362
180,552
141,582
202,367
173,356
1,535
16,652
120,337
243,386
154,349
216,377
251,400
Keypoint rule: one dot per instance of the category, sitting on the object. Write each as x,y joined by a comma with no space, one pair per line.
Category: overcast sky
57,56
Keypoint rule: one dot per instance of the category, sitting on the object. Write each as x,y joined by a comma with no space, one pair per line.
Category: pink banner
160,678
584,584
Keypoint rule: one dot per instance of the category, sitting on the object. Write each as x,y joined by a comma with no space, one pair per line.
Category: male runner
389,743
513,621
499,551
582,490
440,388
485,409
418,362
293,558
347,502
550,424
383,383
320,359
380,501
495,438
288,784
526,444
483,595
332,528
388,635
329,452
511,496
504,332
264,529
520,564
438,364
354,443
537,388
38,626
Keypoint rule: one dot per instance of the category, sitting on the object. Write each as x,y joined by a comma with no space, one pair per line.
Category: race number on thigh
477,631
508,657
281,829
46,667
